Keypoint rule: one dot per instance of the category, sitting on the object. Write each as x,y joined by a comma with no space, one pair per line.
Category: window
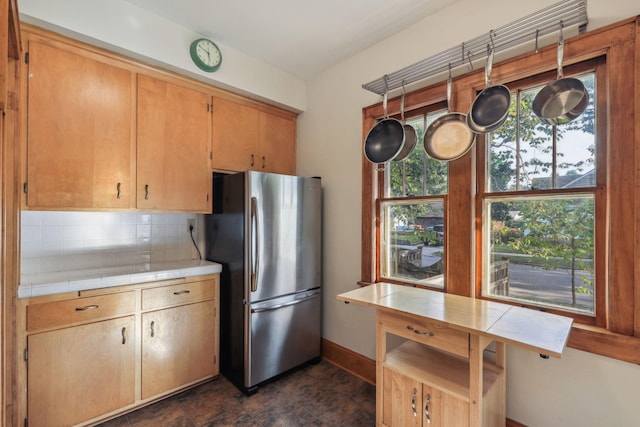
539,198
412,214
556,201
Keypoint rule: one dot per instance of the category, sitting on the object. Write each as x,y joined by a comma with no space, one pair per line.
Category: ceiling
301,37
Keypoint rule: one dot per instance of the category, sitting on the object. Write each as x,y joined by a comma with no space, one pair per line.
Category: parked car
438,228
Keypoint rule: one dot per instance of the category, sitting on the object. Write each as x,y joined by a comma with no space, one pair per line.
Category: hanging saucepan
385,139
491,107
410,136
448,137
562,100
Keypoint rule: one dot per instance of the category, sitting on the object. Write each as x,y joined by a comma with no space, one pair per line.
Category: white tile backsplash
61,241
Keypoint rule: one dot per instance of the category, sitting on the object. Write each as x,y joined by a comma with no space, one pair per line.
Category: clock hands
202,48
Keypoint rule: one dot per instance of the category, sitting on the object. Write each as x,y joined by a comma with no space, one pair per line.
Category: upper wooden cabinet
277,144
246,137
79,130
235,135
105,132
174,134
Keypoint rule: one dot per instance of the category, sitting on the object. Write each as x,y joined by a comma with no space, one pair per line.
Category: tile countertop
542,332
38,284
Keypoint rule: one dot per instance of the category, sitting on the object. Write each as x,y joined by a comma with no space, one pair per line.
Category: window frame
599,191
618,334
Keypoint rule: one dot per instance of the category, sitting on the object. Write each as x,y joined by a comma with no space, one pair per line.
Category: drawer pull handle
419,332
413,402
427,409
153,331
118,191
124,337
87,307
181,292
146,191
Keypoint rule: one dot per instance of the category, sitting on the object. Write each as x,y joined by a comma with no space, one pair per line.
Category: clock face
206,55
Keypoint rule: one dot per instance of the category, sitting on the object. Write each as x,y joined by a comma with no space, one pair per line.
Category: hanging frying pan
448,137
410,136
385,139
562,100
491,107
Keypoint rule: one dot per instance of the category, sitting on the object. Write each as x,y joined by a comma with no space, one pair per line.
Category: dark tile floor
314,395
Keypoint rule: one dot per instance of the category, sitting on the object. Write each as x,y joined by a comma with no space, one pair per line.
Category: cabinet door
78,373
277,144
174,138
178,347
402,400
440,409
235,136
79,144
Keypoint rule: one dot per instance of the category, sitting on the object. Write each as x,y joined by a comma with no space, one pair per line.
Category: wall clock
206,55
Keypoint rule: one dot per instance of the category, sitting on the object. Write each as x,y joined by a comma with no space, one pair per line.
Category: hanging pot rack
568,13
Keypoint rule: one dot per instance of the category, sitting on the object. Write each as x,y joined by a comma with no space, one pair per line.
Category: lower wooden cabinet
408,402
93,355
178,347
78,373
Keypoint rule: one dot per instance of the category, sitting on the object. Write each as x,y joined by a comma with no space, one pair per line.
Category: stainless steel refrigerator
265,230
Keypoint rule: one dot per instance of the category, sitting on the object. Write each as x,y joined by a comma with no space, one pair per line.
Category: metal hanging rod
567,13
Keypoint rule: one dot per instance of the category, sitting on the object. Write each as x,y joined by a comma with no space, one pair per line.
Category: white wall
579,390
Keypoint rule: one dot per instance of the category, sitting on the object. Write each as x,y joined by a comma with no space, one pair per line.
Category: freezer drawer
284,332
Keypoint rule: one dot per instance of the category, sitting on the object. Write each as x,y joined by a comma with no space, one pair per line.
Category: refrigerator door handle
255,241
286,304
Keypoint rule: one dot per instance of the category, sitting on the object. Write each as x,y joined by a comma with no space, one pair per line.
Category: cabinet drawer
79,310
434,334
167,296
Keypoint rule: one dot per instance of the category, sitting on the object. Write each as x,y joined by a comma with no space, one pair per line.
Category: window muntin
538,242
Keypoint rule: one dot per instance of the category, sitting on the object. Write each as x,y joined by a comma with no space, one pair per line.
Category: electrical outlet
191,224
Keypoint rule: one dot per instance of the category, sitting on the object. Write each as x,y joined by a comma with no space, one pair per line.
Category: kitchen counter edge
40,284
